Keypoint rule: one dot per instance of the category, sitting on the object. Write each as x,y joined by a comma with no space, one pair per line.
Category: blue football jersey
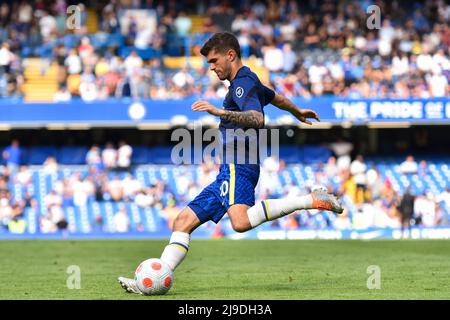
245,93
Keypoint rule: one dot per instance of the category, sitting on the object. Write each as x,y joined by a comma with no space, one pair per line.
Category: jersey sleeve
269,95
245,95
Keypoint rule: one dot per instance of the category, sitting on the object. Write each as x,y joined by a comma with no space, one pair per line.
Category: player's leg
206,206
175,252
239,218
185,223
238,194
243,217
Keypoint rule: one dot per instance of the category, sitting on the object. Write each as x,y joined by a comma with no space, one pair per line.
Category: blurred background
90,95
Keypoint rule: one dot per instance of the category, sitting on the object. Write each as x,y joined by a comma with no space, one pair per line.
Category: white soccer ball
154,277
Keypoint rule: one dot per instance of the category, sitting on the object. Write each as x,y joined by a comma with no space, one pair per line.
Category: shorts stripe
266,209
179,245
232,184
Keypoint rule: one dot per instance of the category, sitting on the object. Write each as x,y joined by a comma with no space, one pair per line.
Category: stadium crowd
370,200
309,48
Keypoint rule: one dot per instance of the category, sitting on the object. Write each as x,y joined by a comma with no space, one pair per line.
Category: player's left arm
284,103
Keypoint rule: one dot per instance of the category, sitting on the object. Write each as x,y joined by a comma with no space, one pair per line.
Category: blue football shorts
235,184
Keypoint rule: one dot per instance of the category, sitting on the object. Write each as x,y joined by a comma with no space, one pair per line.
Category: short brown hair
221,42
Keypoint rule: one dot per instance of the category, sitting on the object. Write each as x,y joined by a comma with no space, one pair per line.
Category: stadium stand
88,197
306,49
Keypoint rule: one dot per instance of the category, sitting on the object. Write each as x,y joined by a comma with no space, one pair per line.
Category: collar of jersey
237,74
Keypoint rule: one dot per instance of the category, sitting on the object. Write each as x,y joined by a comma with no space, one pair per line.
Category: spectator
183,24
425,210
183,79
93,158
88,88
289,58
62,95
53,199
6,58
12,156
50,165
438,84
85,50
17,224
331,169
46,225
81,190
406,210
269,175
445,198
342,150
124,154
133,62
130,187
273,57
73,63
288,28
374,183
223,16
317,72
409,166
121,221
109,156
23,177
58,218
6,212
358,170
115,189
48,26
144,198
422,170
371,63
98,224
271,164
193,190
25,14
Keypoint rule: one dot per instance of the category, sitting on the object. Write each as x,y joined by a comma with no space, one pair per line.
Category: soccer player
233,191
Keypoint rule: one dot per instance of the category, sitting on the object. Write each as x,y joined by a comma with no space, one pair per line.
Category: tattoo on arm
247,119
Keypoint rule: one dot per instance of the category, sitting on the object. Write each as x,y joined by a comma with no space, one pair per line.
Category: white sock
272,209
177,249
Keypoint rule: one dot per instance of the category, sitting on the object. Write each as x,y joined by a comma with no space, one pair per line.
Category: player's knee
178,223
239,218
181,223
239,226
186,221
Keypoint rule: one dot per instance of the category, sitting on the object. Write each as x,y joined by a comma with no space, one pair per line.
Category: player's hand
201,105
304,114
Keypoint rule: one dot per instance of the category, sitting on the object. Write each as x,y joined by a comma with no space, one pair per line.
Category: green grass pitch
230,269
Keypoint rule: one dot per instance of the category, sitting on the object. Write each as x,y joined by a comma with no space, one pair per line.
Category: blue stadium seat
71,155
37,155
159,155
101,40
140,155
82,219
143,53
314,154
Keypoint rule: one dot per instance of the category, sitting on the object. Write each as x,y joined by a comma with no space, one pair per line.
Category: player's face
220,64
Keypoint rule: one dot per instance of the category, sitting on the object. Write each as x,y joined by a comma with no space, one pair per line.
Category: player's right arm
284,103
246,119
